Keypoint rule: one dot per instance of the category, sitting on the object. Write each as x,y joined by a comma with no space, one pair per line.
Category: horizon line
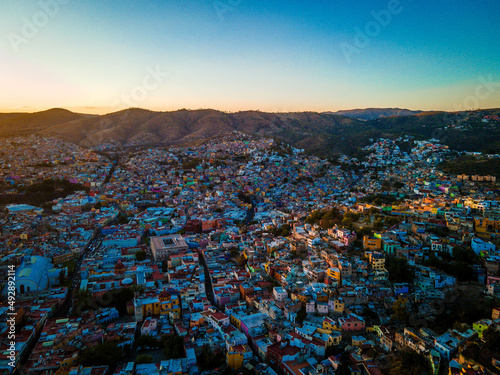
102,111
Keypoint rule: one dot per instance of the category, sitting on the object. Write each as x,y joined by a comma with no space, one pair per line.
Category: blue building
35,273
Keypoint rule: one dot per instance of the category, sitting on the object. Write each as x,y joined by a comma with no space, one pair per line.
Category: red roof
219,316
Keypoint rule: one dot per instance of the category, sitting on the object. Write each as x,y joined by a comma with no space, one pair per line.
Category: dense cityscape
237,187
243,255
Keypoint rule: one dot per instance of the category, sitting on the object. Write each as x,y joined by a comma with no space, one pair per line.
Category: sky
278,56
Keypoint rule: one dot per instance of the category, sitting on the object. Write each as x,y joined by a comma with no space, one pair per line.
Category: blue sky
97,56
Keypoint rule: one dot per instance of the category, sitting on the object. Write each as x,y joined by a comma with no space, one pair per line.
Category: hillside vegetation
324,134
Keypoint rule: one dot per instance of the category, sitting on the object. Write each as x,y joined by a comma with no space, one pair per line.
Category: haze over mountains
375,113
321,133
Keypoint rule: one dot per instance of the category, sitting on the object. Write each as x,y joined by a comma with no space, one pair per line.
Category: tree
209,360
411,363
491,339
301,314
143,358
116,298
464,255
364,231
105,354
147,341
460,327
140,255
70,265
62,277
399,270
472,351
352,215
345,361
173,347
378,224
347,223
400,309
83,301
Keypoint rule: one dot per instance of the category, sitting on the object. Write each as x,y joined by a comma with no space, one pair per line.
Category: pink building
352,322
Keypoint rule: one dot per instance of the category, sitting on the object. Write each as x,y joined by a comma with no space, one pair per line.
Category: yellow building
67,364
372,243
338,306
235,321
170,304
334,273
62,258
330,325
299,297
486,226
150,306
335,338
234,359
358,340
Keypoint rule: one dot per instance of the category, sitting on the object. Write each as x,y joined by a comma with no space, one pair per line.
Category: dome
127,281
119,268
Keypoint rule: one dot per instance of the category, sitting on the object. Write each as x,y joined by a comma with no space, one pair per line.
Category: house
479,246
377,261
279,294
351,323
336,306
480,326
280,352
446,345
149,326
218,319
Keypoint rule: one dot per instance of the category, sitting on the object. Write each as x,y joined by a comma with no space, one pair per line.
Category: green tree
140,255
209,360
465,255
143,358
411,363
117,298
70,265
173,347
301,314
399,270
147,341
491,339
347,223
83,301
400,309
364,231
378,224
62,277
105,354
472,351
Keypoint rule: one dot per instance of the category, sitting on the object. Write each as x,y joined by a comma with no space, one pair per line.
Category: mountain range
374,113
325,134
